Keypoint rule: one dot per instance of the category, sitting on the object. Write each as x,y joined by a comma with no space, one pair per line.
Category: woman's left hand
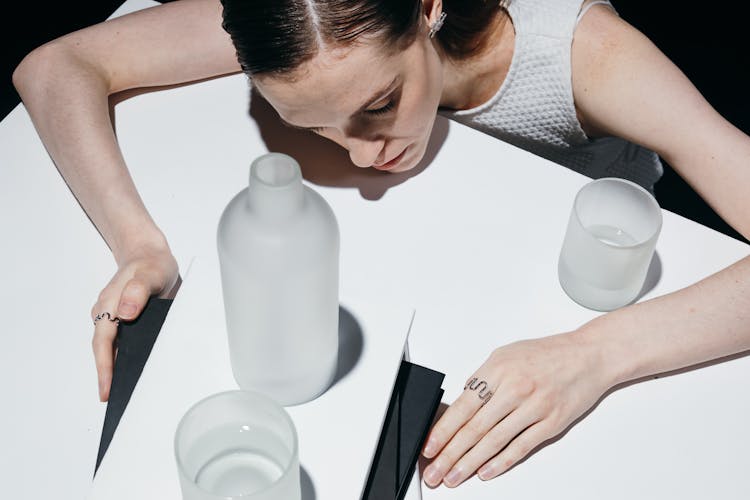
524,394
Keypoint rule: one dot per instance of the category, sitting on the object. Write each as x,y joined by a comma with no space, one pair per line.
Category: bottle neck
275,189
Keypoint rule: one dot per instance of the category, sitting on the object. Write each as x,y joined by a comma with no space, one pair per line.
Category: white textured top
534,109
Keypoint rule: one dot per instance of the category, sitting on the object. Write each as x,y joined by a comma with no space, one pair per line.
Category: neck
473,80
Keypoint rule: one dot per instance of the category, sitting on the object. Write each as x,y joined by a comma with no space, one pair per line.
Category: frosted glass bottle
278,243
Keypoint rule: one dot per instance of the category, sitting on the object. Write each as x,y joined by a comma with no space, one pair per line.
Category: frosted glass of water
237,444
609,243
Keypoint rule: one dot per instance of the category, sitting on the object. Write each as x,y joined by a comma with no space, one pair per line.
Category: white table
337,432
470,243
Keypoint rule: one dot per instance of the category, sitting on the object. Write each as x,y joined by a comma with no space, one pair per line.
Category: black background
708,43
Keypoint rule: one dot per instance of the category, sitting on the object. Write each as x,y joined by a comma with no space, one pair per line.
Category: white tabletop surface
337,432
470,243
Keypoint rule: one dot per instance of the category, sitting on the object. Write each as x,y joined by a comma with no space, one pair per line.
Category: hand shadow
327,164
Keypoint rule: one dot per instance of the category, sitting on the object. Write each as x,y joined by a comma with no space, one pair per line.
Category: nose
364,152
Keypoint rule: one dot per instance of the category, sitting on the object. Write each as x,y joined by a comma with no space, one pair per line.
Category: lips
391,163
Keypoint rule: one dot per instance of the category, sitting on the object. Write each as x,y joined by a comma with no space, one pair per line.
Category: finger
105,332
133,299
470,434
516,450
491,444
457,414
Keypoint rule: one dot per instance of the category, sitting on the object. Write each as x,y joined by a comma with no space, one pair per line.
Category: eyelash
382,110
379,111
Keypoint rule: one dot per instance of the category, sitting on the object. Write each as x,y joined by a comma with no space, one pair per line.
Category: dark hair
466,24
275,37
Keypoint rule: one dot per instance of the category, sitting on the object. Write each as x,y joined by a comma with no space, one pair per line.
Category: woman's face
377,104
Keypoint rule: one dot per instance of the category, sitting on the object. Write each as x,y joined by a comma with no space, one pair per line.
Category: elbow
21,72
52,65
34,68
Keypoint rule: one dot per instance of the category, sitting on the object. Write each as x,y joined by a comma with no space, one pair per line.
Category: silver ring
483,390
106,315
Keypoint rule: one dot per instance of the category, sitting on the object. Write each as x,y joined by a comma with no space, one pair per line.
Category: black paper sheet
414,402
416,395
134,343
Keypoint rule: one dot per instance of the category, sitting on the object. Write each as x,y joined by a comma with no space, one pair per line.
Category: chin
410,163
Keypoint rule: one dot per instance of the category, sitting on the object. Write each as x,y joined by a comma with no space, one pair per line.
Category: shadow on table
653,276
327,164
351,343
306,485
322,161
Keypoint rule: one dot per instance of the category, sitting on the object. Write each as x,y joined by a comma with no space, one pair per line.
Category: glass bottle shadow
327,164
307,487
351,344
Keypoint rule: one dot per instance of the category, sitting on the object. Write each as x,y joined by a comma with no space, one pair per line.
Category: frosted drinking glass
609,243
278,243
237,445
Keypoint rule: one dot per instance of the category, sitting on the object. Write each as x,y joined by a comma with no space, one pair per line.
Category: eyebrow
377,96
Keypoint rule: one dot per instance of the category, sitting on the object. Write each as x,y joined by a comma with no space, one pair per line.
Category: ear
432,10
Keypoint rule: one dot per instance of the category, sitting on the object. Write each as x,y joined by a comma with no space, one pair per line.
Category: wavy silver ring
106,315
483,390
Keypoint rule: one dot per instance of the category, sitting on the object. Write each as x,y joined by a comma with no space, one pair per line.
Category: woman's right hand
145,273
66,86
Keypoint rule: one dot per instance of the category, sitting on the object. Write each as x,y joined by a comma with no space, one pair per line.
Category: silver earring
435,27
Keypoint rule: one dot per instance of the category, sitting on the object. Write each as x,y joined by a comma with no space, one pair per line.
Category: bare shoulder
622,82
596,27
603,45
602,36
624,86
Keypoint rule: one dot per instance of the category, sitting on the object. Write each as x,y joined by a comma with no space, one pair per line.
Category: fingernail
430,448
485,472
126,309
432,475
452,478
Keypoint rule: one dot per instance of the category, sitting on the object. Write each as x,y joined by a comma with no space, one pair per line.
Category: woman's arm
65,86
624,86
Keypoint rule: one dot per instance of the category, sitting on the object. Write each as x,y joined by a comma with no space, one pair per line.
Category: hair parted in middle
275,37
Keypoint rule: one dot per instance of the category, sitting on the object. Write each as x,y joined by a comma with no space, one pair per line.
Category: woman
562,78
